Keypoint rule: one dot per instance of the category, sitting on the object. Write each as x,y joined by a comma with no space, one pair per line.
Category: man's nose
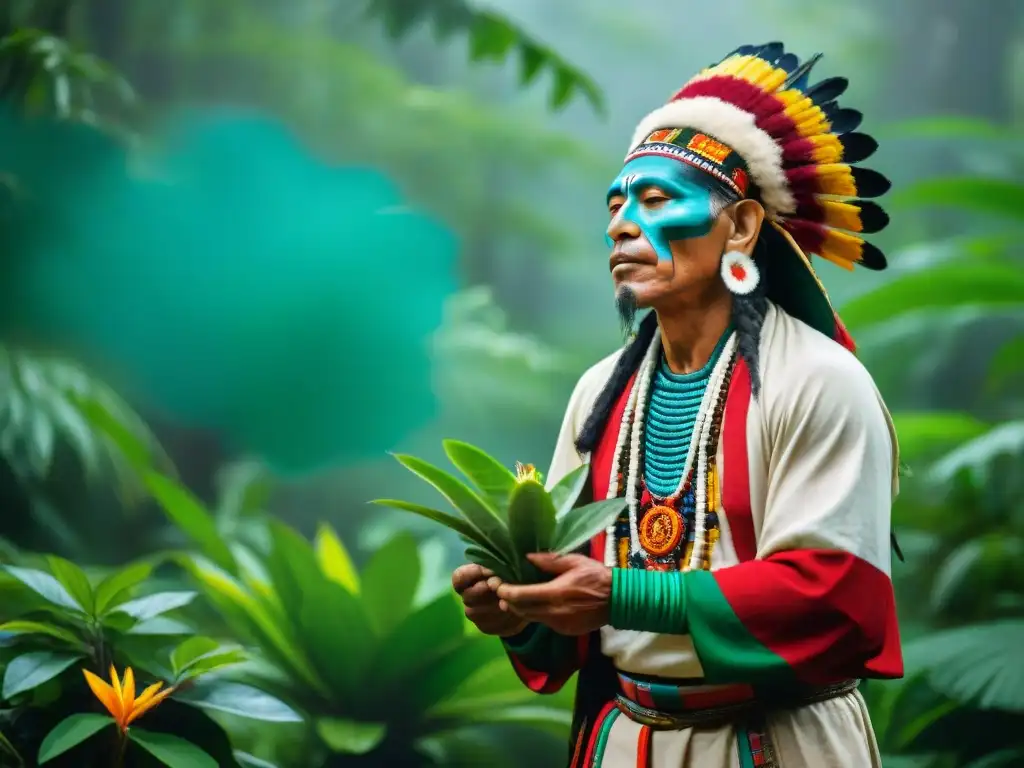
622,228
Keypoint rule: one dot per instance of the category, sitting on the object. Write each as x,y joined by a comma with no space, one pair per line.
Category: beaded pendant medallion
677,532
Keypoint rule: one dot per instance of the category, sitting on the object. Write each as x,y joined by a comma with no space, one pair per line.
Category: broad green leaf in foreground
531,521
350,736
473,509
74,580
69,733
31,670
240,700
567,490
20,627
172,751
334,559
492,477
582,524
978,664
46,586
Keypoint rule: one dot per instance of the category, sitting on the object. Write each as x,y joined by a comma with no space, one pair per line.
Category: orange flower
119,696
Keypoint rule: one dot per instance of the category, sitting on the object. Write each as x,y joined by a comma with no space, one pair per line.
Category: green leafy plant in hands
58,622
507,515
385,672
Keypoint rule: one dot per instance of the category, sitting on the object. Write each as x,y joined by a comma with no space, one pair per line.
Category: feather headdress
800,148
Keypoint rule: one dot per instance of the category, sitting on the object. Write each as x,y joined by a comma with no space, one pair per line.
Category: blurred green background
250,246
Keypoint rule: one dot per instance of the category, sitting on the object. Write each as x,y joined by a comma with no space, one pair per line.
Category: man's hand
482,607
575,602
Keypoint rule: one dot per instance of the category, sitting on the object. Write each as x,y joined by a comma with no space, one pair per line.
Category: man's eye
614,208
655,199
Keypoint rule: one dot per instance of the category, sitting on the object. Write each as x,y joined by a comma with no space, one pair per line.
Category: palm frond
48,402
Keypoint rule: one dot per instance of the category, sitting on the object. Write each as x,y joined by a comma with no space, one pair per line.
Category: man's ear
747,218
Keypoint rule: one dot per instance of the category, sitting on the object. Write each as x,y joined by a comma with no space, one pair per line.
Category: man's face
666,231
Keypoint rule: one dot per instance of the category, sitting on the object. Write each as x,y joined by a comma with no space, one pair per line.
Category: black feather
872,217
798,77
788,62
857,147
870,183
872,257
827,90
845,121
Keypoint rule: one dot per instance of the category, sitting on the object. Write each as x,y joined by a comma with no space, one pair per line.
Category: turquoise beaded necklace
671,416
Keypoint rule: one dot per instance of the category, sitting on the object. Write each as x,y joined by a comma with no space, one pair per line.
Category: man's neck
690,333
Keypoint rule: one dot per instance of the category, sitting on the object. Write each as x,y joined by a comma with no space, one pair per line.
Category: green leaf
491,38
390,581
969,193
978,454
160,626
116,587
565,84
74,580
46,586
450,521
151,606
446,674
531,518
977,664
31,670
984,285
189,514
504,571
245,760
244,489
1004,758
482,519
949,127
419,638
334,559
241,701
585,523
322,611
69,733
39,628
171,750
925,434
190,650
531,61
349,736
1006,365
567,491
489,475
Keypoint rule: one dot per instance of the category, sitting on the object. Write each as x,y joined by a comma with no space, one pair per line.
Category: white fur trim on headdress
736,128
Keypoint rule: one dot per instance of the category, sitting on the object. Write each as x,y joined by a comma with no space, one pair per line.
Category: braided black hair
748,313
626,366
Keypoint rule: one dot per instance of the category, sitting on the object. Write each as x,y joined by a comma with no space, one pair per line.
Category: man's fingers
527,596
551,562
478,594
467,575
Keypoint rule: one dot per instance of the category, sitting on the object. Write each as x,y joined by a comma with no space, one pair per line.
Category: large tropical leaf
925,434
582,524
987,285
992,196
48,401
491,38
978,454
980,664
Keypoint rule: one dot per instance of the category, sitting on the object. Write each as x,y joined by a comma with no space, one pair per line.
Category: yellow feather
836,179
827,148
774,79
790,96
623,553
841,215
842,246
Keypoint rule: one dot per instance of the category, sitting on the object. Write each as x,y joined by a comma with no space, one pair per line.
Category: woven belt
733,711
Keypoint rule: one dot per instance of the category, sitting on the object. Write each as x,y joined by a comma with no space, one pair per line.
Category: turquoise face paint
690,210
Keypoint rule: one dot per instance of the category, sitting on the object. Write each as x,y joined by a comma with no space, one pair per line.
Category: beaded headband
699,151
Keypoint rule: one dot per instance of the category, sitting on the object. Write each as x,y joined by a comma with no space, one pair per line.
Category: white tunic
803,494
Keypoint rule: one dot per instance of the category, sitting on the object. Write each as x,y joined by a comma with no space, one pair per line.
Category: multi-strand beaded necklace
677,531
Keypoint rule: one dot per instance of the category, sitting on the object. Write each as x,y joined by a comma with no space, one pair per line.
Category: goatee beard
626,306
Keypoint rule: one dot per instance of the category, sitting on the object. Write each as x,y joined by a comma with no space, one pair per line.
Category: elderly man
725,619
